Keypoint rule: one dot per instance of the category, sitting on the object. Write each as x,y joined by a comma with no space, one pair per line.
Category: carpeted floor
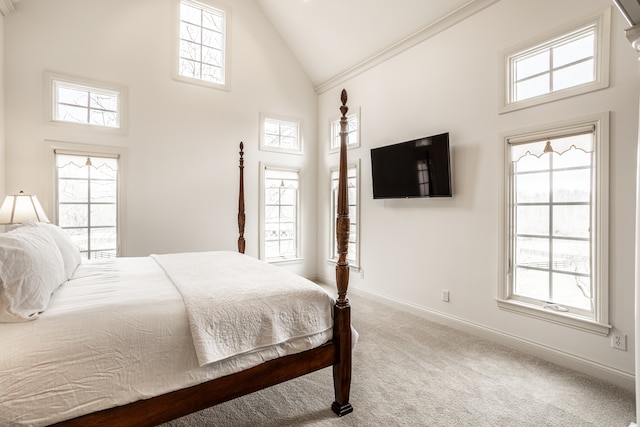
408,371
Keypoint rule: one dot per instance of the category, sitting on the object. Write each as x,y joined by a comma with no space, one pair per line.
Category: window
353,132
556,226
202,41
83,102
280,134
87,202
566,64
280,214
353,185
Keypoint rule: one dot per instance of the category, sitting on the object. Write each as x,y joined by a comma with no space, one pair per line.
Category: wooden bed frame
336,353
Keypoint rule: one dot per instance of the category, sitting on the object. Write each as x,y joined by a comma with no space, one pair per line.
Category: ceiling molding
630,10
6,7
458,15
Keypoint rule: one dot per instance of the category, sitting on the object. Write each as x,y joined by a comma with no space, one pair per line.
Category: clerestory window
280,134
568,63
202,43
75,101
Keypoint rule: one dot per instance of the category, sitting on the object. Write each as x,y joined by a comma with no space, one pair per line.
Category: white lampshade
19,208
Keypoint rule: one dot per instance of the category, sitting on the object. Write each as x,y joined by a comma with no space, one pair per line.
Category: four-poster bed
317,350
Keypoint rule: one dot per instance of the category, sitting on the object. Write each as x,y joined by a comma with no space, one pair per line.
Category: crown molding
633,35
7,7
630,10
463,12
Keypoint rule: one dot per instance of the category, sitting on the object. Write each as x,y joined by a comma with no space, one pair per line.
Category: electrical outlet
445,295
619,342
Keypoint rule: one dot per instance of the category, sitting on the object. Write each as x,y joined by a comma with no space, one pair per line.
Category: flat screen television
416,168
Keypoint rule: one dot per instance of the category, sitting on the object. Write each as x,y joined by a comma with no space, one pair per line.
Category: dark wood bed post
342,309
241,216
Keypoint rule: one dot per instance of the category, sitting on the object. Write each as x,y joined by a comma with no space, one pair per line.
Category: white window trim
353,111
93,150
332,217
603,35
264,147
600,325
176,46
261,232
50,99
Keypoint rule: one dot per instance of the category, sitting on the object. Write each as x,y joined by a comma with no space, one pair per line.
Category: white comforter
117,332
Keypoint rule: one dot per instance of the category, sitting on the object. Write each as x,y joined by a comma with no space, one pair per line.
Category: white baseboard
559,357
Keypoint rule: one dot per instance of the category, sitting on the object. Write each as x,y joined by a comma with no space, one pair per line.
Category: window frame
262,227
51,96
226,55
96,151
355,265
599,324
282,119
602,23
334,131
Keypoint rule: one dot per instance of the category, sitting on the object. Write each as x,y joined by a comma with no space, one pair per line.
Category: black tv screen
417,168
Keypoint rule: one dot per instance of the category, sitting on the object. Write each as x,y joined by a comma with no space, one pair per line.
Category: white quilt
117,332
237,304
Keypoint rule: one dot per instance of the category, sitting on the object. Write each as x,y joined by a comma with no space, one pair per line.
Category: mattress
116,332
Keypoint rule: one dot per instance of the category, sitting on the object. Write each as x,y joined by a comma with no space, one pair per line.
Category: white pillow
31,268
69,251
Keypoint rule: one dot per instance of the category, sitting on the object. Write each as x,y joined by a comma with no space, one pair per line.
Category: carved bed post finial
241,216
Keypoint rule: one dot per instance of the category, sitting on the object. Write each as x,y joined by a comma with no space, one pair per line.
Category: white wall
181,149
412,249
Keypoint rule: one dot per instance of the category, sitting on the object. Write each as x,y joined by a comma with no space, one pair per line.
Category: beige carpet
411,372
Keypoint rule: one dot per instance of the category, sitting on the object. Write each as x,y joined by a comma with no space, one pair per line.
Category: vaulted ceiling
334,39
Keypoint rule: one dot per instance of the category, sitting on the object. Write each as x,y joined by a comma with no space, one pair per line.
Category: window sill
199,82
284,260
352,267
593,86
281,150
560,318
336,150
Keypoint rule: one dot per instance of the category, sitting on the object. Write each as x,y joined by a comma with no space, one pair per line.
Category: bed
128,341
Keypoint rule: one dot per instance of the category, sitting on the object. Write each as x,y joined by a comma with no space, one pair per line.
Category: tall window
566,64
84,102
202,42
87,202
280,214
556,245
280,134
353,132
353,184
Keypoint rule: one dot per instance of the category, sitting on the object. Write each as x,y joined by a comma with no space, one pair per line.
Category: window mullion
551,236
550,70
89,216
